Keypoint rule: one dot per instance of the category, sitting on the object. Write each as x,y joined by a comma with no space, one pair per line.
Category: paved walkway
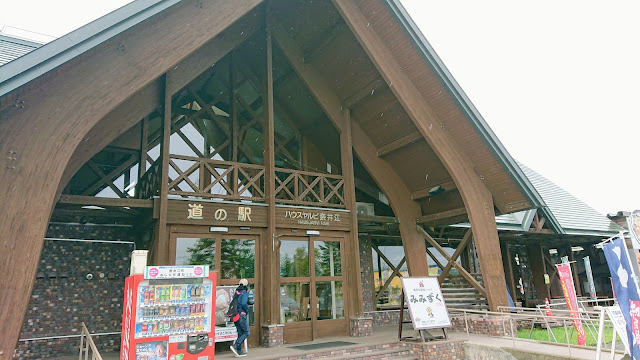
389,334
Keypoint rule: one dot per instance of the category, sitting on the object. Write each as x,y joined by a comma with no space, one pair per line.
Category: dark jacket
243,299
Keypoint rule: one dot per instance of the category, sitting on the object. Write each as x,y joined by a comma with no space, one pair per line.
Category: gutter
477,121
40,61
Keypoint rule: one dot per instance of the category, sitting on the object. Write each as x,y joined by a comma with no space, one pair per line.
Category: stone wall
438,350
486,325
387,317
366,267
63,297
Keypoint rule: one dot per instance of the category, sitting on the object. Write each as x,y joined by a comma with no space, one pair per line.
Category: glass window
295,302
330,300
237,259
196,251
327,258
294,258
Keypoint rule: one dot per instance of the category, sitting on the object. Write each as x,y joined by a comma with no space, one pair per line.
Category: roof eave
47,57
465,104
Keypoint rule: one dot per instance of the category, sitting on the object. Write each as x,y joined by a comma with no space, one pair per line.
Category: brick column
272,335
361,326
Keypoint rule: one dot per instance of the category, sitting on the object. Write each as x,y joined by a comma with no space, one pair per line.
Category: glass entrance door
233,257
311,287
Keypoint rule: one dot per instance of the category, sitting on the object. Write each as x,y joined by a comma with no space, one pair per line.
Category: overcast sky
557,81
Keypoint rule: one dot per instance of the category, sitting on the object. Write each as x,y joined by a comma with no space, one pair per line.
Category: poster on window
426,304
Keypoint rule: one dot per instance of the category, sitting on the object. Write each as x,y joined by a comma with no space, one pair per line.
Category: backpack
232,312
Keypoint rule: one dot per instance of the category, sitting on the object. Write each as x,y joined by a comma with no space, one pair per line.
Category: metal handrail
534,315
88,344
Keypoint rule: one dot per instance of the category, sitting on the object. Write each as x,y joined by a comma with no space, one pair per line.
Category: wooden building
242,133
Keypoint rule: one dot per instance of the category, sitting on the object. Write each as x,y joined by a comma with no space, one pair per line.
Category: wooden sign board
232,214
316,219
425,302
215,214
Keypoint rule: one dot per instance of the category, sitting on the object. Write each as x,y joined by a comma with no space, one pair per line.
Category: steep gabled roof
573,215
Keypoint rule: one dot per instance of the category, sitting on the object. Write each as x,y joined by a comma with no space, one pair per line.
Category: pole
600,331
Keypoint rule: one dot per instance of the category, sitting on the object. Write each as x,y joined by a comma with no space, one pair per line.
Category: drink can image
143,328
150,328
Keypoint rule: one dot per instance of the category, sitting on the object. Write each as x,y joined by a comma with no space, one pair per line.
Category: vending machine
167,314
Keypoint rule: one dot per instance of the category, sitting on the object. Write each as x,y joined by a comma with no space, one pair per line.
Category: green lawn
541,335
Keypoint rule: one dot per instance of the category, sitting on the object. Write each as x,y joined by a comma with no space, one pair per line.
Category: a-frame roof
512,190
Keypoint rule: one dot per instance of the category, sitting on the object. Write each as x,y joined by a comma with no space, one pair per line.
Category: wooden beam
399,143
461,247
475,194
149,98
354,269
465,274
368,90
537,270
271,283
428,219
106,202
144,148
424,193
371,191
378,219
396,272
435,259
383,174
209,54
324,40
162,249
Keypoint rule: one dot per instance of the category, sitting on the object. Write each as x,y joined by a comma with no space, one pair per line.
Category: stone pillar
273,335
361,326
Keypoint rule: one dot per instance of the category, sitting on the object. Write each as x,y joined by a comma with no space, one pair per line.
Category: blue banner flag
626,292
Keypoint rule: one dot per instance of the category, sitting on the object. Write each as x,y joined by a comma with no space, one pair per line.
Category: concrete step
378,355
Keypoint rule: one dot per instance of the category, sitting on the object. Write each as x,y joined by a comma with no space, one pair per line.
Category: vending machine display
168,314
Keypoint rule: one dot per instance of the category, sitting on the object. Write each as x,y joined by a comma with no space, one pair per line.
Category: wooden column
144,142
394,188
271,276
537,270
508,261
574,270
162,249
354,269
477,198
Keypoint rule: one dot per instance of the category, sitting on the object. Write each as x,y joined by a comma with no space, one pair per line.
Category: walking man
240,321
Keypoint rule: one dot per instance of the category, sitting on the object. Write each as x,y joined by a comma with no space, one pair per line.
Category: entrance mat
323,345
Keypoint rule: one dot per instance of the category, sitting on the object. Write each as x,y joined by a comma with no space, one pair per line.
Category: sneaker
242,354
235,352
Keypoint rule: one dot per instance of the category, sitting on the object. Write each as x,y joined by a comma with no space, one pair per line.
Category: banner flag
592,285
569,291
626,292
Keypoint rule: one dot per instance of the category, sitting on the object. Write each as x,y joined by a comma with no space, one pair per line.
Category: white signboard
616,316
226,334
426,304
176,272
